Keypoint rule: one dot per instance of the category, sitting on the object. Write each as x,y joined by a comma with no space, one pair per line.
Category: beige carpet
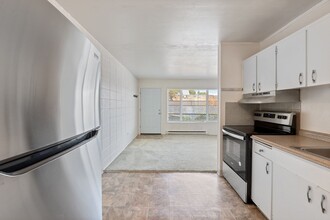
168,153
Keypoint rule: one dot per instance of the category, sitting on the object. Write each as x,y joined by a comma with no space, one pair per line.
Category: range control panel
283,118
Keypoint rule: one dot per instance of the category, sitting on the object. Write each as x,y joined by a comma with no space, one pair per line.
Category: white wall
315,101
231,56
119,115
210,127
231,74
315,106
119,109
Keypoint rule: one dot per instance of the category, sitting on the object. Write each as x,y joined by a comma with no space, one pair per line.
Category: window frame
181,95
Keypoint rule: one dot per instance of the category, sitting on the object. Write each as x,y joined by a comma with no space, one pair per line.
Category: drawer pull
261,150
314,76
300,78
267,165
309,199
322,204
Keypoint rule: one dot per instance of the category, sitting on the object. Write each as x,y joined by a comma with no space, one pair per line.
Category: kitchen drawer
262,149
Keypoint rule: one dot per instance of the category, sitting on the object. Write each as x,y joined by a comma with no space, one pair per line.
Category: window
192,105
213,105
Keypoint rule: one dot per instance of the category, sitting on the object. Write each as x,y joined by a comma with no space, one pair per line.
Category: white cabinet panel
318,52
261,192
296,198
322,204
266,70
293,196
250,75
291,61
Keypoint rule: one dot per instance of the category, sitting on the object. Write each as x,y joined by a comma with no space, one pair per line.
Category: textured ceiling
178,39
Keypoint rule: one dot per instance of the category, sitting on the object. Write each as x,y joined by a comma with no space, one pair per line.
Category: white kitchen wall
231,56
231,66
315,101
210,127
315,106
119,109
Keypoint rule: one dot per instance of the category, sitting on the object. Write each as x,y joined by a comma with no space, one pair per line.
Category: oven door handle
233,135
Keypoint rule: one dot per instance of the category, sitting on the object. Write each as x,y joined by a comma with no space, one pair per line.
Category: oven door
235,152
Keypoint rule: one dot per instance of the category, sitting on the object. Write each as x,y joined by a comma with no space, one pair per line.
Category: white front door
150,112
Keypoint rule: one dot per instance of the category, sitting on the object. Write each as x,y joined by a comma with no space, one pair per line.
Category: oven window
235,155
234,151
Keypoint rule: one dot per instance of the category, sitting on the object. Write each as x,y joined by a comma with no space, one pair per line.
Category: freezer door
44,59
68,188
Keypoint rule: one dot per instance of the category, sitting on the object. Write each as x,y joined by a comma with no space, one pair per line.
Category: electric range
237,146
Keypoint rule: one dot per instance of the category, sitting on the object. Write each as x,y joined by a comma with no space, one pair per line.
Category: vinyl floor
181,196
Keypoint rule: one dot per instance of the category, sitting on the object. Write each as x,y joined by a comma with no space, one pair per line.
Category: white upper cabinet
318,52
291,61
302,59
250,75
266,70
259,72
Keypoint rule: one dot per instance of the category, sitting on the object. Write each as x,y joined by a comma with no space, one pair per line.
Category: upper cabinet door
291,61
318,52
250,75
266,70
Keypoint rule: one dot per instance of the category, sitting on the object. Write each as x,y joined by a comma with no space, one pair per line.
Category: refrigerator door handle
26,162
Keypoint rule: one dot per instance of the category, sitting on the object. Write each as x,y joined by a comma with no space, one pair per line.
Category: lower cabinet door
322,204
293,196
262,183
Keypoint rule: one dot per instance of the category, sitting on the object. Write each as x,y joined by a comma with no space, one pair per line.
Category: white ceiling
178,39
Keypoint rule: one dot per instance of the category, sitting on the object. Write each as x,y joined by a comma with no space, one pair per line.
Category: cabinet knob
314,76
300,78
322,204
309,199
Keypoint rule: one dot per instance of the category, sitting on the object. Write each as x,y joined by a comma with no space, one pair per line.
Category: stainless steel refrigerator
50,167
